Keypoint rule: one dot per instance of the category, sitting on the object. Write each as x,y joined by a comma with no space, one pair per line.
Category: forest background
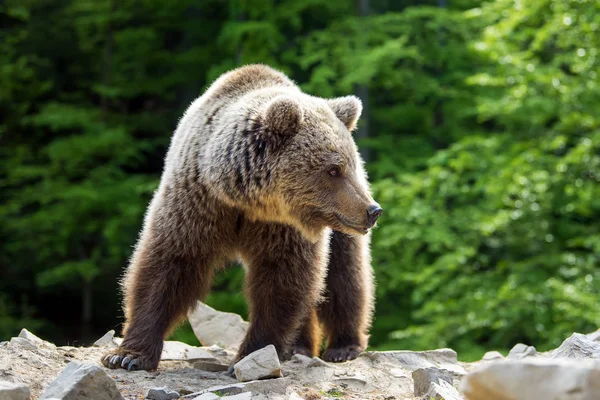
481,133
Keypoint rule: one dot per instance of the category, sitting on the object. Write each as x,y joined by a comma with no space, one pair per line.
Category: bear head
318,179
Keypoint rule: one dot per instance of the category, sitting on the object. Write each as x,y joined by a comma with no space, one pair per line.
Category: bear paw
122,358
341,354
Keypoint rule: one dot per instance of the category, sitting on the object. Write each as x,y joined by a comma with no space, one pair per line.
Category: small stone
294,396
492,355
25,334
107,340
14,391
82,381
317,362
442,391
179,351
215,327
210,366
23,343
207,396
261,364
577,346
241,396
521,351
424,377
161,393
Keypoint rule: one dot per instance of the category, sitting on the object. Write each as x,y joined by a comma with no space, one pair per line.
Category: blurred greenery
480,119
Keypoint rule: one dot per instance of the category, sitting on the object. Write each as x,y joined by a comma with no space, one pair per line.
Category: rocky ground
33,368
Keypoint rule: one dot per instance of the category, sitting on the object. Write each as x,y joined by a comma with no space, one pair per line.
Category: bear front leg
285,277
308,342
169,271
348,307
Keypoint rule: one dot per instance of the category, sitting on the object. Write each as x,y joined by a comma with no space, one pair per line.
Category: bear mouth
349,225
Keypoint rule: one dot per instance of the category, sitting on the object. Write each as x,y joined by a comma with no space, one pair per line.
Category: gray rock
215,327
577,346
178,351
107,340
23,343
261,364
595,336
210,366
14,391
412,360
207,396
82,381
241,396
424,377
269,386
442,391
521,351
534,378
492,356
25,334
161,393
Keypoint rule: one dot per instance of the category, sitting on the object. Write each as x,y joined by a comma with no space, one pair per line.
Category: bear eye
334,171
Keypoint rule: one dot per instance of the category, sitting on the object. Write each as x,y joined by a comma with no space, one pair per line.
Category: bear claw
341,354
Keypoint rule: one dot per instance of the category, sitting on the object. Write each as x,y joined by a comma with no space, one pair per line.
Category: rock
241,396
270,387
534,378
23,343
492,355
161,393
294,396
107,340
442,391
521,351
178,351
207,396
412,360
215,327
261,364
82,381
595,336
577,346
25,334
424,377
211,366
14,391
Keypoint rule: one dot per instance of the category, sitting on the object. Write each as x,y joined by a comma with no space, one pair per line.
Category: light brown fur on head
257,171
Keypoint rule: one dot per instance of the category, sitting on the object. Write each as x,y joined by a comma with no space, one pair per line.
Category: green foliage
482,128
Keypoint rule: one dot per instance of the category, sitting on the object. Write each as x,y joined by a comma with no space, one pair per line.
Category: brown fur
257,171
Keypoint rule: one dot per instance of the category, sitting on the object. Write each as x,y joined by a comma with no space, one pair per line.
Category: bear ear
283,116
347,109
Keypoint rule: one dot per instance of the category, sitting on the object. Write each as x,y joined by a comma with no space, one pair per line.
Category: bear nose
373,212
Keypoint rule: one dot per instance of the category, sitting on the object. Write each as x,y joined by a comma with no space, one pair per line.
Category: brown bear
260,172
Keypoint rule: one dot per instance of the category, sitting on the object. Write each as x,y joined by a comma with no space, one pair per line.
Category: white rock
241,396
263,363
521,351
207,396
108,340
23,343
25,334
82,381
178,351
215,327
424,377
13,391
294,396
577,346
595,336
161,393
534,378
492,355
412,360
443,391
